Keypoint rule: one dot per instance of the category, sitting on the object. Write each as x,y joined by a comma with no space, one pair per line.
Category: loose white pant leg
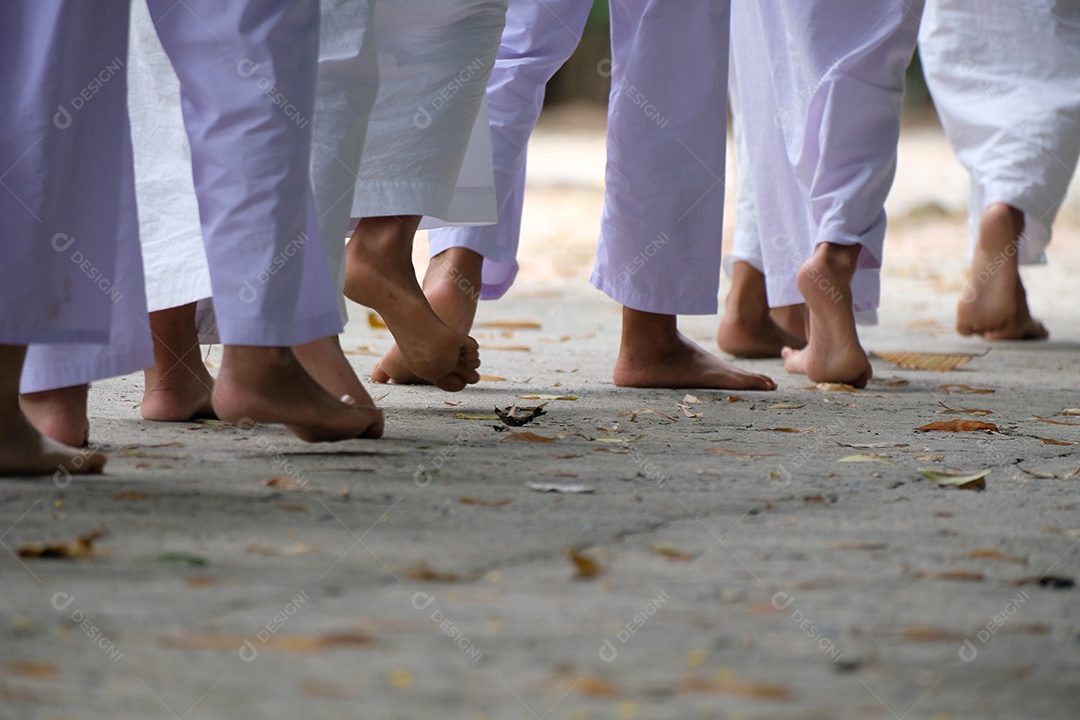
434,62
663,213
1005,78
746,245
540,36
71,275
821,86
347,87
247,72
62,138
175,259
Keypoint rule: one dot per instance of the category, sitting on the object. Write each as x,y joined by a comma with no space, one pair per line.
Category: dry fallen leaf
425,573
509,324
957,575
81,547
547,397
280,643
939,362
289,484
962,481
633,414
515,416
1054,582
726,683
812,428
958,389
36,669
740,453
997,555
961,411
786,406
872,446
669,551
375,321
1052,441
492,378
585,567
130,495
561,488
529,437
688,411
690,400
1054,422
867,457
930,458
958,426
485,503
1070,411
508,348
1037,473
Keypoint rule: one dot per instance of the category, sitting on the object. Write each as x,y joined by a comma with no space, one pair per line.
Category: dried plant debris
957,479
81,547
515,416
939,362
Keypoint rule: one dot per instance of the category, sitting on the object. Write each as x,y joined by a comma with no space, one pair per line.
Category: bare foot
654,354
993,302
833,353
178,387
59,414
324,361
25,450
268,385
748,329
380,275
452,287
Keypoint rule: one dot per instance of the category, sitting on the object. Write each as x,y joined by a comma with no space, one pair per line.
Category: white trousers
1005,78
539,37
663,215
249,161
820,86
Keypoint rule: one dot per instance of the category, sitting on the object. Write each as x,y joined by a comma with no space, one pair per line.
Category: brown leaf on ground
130,495
726,683
425,573
595,687
810,429
872,446
930,458
894,382
740,453
958,389
958,575
529,437
1070,411
289,484
547,397
509,324
961,411
859,546
485,503
987,554
733,398
507,348
1055,422
376,322
36,669
786,406
633,414
867,457
957,426
585,568
81,547
515,416
492,378
669,551
280,643
922,633
938,362
1052,441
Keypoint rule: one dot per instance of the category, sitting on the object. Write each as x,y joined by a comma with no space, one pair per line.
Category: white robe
1005,78
663,213
538,39
820,87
